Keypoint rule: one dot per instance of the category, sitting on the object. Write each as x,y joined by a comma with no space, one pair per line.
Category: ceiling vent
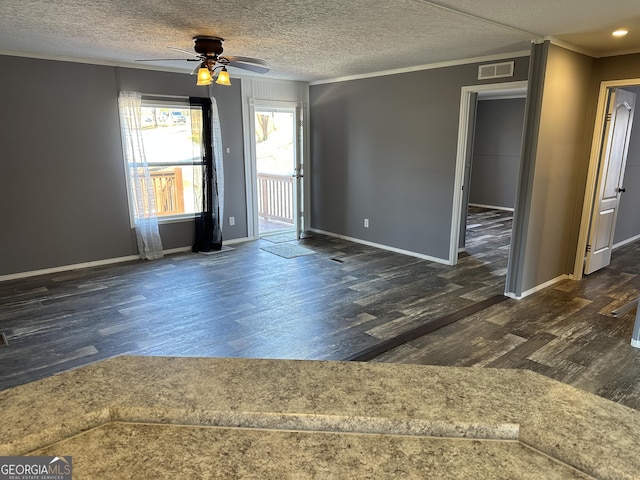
495,70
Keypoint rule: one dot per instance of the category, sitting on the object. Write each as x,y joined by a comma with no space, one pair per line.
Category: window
172,138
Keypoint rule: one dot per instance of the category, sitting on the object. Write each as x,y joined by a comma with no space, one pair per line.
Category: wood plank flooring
342,299
566,332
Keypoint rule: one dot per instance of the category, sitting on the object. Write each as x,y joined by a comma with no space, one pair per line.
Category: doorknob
621,190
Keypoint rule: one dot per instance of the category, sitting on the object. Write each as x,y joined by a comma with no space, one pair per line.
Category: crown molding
570,46
430,66
134,65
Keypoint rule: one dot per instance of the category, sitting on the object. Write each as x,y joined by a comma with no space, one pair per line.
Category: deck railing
167,189
275,197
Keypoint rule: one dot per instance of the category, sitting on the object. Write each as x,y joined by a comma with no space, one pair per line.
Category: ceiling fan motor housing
207,46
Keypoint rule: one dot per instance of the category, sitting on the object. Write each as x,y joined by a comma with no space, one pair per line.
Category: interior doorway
278,170
494,165
623,224
492,169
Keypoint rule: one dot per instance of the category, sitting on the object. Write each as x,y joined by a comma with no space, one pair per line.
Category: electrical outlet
366,223
232,221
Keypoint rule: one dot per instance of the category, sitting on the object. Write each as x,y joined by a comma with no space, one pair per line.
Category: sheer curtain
140,184
208,224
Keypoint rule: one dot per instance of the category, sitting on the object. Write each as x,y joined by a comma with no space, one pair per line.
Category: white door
613,157
278,170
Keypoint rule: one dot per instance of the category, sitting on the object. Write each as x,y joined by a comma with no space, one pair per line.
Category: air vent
495,70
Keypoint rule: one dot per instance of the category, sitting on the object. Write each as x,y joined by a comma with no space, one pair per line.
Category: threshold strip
421,330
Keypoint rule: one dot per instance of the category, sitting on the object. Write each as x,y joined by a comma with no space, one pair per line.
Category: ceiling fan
208,52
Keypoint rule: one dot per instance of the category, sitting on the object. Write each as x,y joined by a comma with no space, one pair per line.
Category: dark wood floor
342,299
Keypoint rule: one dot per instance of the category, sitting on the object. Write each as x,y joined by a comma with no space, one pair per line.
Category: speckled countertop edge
595,435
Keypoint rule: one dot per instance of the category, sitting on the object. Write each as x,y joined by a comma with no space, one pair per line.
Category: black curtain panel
208,232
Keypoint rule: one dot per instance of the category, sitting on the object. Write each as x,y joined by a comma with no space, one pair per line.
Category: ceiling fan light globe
223,78
204,77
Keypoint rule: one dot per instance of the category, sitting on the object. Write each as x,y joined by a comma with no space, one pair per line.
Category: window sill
176,219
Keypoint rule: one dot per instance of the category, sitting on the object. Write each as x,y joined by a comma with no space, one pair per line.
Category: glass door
278,171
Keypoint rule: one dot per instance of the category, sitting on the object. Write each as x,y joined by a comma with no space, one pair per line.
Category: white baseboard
97,263
538,288
66,268
625,242
382,247
238,240
492,207
171,251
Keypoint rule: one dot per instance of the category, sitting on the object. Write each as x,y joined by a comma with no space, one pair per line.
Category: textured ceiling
311,39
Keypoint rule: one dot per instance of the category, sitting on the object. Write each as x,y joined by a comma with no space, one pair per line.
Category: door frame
594,167
253,229
466,127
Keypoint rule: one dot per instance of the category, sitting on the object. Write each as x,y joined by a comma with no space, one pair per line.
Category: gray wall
384,148
557,185
496,152
620,67
62,178
628,222
562,152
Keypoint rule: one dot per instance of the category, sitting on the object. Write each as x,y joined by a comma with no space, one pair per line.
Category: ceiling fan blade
247,63
250,67
184,51
255,61
168,59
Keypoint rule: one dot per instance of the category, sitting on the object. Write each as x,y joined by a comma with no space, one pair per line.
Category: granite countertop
166,417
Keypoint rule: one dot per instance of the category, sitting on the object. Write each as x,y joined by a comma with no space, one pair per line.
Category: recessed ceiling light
620,33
